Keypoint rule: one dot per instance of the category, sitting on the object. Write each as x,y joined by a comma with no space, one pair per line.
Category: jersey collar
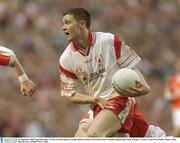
91,40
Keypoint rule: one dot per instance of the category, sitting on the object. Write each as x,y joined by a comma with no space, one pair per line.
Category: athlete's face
71,27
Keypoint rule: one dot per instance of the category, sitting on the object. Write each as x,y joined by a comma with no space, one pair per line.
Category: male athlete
8,58
172,94
90,60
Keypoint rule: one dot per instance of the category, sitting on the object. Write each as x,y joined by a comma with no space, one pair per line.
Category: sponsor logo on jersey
97,74
79,70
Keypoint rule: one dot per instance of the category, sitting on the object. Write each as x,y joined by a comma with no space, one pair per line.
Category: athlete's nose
63,27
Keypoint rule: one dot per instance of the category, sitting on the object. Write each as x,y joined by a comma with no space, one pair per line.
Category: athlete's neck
82,41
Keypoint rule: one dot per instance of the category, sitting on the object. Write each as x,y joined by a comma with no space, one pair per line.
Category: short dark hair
79,14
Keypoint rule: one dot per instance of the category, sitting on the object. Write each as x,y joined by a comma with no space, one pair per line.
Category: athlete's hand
28,88
103,103
138,90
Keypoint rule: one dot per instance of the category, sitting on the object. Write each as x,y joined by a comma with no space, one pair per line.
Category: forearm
85,99
16,66
147,88
18,69
82,98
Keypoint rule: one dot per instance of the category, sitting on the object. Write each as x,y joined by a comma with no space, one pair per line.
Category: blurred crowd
32,29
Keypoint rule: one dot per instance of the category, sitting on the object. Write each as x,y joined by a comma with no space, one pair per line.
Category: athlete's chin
69,39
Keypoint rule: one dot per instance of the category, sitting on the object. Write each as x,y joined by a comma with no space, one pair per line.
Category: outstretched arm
8,58
27,87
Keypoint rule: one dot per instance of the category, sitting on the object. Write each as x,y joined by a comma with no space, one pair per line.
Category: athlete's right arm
70,86
86,99
82,98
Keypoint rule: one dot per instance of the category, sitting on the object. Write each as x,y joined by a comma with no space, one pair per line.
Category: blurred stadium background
32,28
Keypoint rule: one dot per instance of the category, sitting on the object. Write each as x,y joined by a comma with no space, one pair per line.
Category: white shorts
176,118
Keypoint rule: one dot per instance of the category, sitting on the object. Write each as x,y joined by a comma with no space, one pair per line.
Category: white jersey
7,56
94,67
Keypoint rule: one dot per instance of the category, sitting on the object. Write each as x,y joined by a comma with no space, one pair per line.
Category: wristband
22,78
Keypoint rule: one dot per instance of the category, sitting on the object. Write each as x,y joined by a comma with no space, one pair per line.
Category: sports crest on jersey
99,60
101,68
79,70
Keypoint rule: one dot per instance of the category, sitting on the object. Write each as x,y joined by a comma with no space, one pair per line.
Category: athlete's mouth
67,33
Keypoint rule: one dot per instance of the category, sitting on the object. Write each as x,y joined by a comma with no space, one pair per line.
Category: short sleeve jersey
94,67
7,56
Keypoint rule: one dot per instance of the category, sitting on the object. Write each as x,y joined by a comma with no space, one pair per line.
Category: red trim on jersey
91,40
74,46
117,46
67,73
4,60
130,56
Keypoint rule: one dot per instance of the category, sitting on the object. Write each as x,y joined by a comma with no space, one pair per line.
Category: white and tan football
123,79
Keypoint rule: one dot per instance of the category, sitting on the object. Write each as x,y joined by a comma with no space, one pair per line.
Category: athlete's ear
82,24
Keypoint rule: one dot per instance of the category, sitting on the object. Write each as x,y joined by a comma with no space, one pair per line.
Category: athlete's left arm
8,58
141,88
27,86
127,58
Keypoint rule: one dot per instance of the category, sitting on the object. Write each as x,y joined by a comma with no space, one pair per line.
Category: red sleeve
4,60
117,46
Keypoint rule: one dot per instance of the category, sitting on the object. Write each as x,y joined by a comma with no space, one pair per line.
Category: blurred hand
28,88
103,103
137,90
